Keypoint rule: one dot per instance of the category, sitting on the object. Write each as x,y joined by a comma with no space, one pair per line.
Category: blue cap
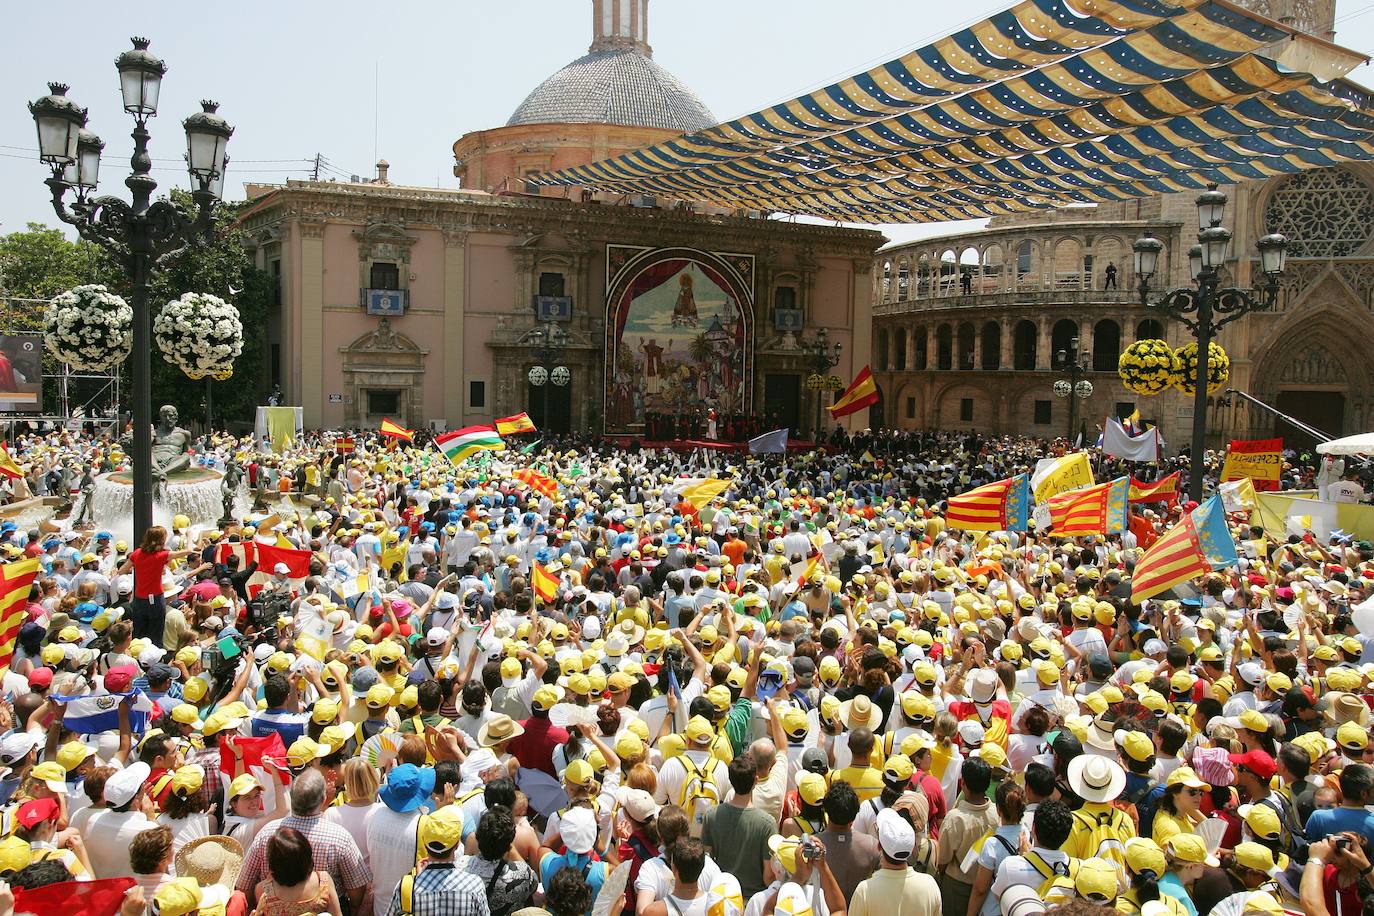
103,535
86,611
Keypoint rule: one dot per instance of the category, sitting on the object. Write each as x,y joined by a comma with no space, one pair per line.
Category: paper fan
1233,905
567,715
1211,830
612,887
381,748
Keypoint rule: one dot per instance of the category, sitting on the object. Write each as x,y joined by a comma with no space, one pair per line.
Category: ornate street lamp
139,234
547,342
821,357
1076,388
1206,308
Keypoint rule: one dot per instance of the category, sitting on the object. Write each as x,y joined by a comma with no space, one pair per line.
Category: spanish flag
861,393
515,423
394,430
1099,509
1164,490
7,465
545,584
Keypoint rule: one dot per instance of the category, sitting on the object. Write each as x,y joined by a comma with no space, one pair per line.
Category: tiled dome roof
615,86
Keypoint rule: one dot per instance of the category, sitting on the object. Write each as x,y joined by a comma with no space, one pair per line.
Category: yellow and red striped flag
810,568
515,423
1000,506
538,482
545,584
1099,509
1199,543
395,430
8,466
861,393
15,581
1164,490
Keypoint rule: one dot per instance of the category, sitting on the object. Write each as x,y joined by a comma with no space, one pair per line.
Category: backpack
699,793
1104,834
1057,878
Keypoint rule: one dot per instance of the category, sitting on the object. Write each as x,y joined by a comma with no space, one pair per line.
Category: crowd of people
806,695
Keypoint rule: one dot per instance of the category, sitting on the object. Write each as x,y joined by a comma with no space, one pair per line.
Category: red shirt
534,749
148,569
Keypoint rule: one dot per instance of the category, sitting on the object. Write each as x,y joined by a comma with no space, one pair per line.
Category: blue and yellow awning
1046,104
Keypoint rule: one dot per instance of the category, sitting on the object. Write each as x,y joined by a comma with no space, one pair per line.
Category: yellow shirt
1167,825
867,782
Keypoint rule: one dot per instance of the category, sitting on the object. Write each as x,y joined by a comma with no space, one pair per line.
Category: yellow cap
243,784
186,714
1190,849
699,731
579,773
178,897
1137,746
898,769
335,737
52,773
546,697
1098,877
580,684
811,787
443,830
629,746
1257,858
1254,720
795,723
1144,854
188,655
74,753
379,696
786,849
303,751
195,689
325,711
1185,776
410,697
187,780
15,854
719,696
1262,820
1352,737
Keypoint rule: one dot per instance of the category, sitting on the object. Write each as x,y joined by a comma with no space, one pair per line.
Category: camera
811,851
1343,844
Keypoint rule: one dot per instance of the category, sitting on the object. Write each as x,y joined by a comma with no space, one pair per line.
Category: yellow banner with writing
1259,459
1053,476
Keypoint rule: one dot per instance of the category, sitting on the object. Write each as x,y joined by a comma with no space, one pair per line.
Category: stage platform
687,445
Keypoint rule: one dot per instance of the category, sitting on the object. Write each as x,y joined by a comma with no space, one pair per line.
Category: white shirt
391,852
108,836
655,875
1016,870
673,776
354,819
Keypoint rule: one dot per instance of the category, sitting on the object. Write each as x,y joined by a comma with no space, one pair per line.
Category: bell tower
621,24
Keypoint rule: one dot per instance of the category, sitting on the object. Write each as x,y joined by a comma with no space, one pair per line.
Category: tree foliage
39,262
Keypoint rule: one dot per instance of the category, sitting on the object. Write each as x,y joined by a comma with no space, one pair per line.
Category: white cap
1251,673
262,652
437,636
446,601
578,828
1155,646
895,835
151,656
124,785
971,731
281,569
16,745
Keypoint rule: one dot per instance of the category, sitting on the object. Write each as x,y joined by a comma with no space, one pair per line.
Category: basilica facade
433,306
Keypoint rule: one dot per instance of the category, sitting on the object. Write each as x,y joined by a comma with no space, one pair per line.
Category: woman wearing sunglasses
1180,807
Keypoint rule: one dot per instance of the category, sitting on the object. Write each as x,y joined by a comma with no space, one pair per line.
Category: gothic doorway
1321,410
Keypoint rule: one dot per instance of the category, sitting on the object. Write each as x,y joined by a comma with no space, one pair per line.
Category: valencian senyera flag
1099,509
1000,506
539,483
461,444
1199,543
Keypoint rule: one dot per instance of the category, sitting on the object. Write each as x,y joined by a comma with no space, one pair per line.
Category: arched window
882,351
899,350
944,348
1023,257
964,352
1149,329
1106,345
903,282
1062,338
922,355
887,281
1024,345
992,346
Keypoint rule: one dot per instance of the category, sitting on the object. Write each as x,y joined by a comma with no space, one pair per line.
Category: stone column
911,332
1008,343
1044,351
455,316
310,346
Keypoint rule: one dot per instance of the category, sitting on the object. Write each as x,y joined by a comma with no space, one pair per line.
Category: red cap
1257,762
40,678
120,678
33,813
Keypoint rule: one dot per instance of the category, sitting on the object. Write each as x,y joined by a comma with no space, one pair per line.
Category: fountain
202,494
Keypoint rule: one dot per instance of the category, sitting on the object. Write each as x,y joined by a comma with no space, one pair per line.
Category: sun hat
982,685
497,729
860,712
407,787
1213,766
1095,778
211,860
1021,900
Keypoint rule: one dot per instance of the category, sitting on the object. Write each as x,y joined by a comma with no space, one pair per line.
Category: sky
353,82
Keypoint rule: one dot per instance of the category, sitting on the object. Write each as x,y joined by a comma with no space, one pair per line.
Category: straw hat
497,729
860,712
1349,708
211,860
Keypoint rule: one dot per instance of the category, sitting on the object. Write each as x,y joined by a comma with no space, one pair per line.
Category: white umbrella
1362,444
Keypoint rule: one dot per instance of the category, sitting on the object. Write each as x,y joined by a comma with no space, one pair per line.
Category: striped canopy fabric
1047,104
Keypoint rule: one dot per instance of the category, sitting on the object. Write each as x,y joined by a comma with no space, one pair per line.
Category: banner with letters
1259,459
